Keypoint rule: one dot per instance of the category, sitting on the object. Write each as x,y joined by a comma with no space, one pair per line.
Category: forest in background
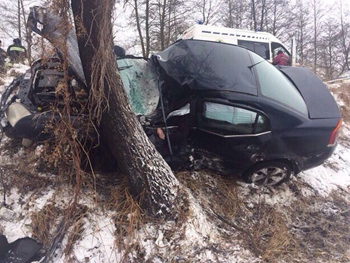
109,195
321,28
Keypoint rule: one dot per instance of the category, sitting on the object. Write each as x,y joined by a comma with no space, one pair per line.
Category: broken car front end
33,102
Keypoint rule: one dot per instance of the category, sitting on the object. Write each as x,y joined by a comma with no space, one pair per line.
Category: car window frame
254,133
262,92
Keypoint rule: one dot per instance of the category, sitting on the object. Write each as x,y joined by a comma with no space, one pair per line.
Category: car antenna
253,65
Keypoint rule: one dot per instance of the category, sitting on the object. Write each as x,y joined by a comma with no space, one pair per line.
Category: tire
271,173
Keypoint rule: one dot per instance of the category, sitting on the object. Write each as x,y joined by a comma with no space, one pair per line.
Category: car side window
227,119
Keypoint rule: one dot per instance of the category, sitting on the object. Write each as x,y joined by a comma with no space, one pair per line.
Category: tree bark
254,15
139,30
151,180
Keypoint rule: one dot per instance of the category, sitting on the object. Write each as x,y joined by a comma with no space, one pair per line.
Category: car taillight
334,135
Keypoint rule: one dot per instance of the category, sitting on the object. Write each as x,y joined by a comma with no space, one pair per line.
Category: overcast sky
123,30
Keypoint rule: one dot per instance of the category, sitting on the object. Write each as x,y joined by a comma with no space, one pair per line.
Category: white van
262,43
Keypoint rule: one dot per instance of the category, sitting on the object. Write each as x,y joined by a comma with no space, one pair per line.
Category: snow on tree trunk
150,177
151,180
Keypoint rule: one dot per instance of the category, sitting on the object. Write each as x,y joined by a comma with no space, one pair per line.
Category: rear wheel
269,173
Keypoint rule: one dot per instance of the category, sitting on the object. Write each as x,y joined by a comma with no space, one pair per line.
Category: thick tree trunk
151,180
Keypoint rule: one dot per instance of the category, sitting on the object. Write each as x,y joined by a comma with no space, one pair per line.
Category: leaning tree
151,180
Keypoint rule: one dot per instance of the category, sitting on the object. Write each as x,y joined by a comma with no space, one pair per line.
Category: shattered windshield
140,82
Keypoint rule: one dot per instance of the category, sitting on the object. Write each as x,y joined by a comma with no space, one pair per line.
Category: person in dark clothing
2,58
16,52
119,51
281,59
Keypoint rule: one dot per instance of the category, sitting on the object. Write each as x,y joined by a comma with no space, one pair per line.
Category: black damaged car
220,105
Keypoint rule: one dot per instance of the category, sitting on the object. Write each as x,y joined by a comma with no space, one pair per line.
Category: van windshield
275,47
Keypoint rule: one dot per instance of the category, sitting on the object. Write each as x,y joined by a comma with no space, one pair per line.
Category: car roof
204,65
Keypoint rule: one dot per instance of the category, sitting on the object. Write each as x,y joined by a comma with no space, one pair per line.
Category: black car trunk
319,100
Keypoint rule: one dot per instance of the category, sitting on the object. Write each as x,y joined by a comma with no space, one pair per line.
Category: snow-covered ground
100,233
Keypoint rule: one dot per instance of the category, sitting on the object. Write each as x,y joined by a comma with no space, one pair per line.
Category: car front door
239,135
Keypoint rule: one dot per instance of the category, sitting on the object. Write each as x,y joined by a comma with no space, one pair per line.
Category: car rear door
237,133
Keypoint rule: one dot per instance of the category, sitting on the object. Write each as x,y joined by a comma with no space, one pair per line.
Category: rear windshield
273,84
